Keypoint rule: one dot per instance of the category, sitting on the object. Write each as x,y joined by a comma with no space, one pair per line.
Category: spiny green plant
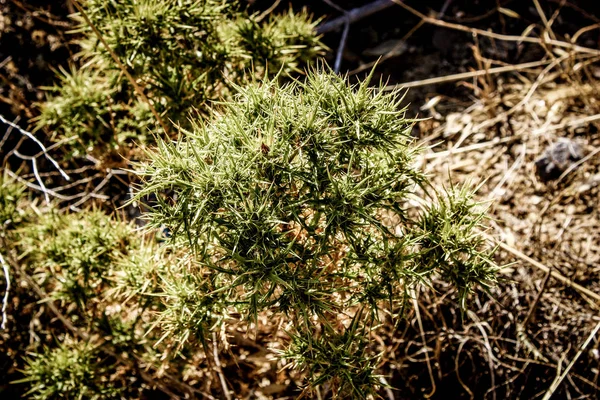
184,54
89,107
451,241
74,254
281,45
11,195
296,200
78,260
73,370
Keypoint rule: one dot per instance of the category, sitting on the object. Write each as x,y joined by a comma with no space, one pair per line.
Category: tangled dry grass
542,320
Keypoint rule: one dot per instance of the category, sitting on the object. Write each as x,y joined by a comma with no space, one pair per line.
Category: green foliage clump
341,359
451,243
286,203
88,107
73,370
75,253
280,45
10,198
301,202
82,261
184,54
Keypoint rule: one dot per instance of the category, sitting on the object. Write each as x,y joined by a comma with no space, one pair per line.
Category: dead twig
268,11
354,15
584,30
219,369
467,75
517,164
577,164
545,21
50,191
32,137
488,347
391,53
36,173
530,92
5,299
457,369
94,192
555,274
429,368
340,51
8,132
522,327
47,19
498,36
444,8
568,124
473,147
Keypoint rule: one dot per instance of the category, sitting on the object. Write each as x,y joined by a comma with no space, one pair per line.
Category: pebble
557,158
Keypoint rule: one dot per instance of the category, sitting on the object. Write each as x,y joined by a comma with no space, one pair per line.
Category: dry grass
532,325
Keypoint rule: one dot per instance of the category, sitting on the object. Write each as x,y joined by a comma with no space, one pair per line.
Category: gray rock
557,158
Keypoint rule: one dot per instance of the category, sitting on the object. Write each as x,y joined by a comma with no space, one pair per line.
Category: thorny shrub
296,200
73,370
184,54
81,262
11,195
301,201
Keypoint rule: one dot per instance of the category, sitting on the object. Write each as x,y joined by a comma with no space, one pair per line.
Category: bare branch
560,378
354,15
32,137
466,75
340,52
498,36
5,300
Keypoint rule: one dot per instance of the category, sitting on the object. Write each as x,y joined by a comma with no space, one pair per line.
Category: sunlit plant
300,200
74,254
185,55
11,194
73,370
88,265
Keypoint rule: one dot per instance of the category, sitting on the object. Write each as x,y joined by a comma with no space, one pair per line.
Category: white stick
5,300
32,137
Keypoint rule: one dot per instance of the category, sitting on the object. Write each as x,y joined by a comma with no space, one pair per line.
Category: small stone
557,158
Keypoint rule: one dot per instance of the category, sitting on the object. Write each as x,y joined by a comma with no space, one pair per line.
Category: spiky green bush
302,202
74,254
185,55
89,107
10,197
94,269
296,201
73,370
